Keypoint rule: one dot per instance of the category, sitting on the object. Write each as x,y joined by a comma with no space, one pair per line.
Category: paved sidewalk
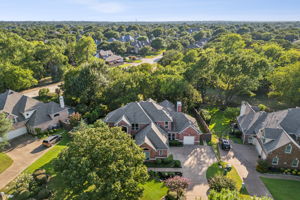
24,152
281,176
165,169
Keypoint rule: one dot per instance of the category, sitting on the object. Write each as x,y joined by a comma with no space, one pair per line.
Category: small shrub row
175,143
164,162
163,175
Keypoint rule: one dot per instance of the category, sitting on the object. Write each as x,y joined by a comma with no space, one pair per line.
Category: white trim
125,127
189,127
276,157
285,149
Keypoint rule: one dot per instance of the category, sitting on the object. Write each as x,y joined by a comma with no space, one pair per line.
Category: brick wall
285,159
189,132
154,154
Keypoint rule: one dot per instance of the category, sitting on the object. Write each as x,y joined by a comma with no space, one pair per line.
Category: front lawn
283,189
154,190
215,170
5,162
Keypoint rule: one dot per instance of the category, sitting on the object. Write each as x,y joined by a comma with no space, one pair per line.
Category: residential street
24,151
243,158
195,160
35,91
148,60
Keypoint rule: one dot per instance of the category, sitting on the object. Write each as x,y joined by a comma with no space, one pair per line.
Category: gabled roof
155,111
16,104
152,135
183,121
168,105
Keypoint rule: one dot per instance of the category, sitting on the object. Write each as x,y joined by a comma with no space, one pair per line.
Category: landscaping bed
282,189
5,162
218,169
163,175
168,162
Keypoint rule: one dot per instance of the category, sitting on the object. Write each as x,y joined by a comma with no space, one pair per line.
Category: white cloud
100,6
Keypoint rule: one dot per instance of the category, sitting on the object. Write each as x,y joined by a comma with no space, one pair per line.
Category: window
56,115
275,161
166,125
288,149
295,163
160,152
135,127
170,136
173,136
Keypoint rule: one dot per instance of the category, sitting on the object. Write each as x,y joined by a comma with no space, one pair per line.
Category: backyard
283,189
5,162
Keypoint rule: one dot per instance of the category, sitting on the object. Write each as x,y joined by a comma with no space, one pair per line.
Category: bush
175,143
263,107
43,194
262,166
168,160
44,92
158,161
23,195
177,163
221,182
38,172
41,179
171,196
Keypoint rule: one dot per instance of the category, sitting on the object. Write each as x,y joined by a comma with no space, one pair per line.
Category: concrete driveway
244,158
195,160
24,151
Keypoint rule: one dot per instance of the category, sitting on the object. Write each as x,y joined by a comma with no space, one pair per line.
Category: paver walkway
195,160
24,151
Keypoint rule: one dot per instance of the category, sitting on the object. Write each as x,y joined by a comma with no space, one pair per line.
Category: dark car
225,144
51,140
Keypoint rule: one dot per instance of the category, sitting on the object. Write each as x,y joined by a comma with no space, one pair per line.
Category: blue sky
150,10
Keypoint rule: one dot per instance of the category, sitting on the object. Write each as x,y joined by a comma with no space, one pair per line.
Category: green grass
214,170
5,162
221,121
154,190
283,189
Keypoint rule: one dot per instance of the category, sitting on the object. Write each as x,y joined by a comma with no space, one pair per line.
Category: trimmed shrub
171,196
221,182
262,166
39,172
41,179
23,195
177,163
43,194
175,143
158,161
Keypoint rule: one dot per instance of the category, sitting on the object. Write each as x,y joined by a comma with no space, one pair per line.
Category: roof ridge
138,103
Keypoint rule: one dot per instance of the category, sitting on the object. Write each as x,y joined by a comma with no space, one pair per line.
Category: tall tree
85,49
5,127
102,163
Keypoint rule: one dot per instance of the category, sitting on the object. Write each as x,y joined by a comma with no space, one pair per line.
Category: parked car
225,144
51,140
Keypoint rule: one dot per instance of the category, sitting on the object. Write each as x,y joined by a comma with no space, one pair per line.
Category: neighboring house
111,39
109,57
275,135
199,44
29,114
153,125
126,38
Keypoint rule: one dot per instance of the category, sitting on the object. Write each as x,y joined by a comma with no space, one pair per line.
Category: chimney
179,106
61,101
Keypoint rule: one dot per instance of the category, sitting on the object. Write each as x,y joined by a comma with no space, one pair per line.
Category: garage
189,140
16,133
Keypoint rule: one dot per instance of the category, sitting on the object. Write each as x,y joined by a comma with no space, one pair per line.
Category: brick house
28,114
153,125
275,135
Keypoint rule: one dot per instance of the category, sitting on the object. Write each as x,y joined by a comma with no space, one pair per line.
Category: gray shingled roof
167,104
15,103
152,135
278,127
155,111
182,121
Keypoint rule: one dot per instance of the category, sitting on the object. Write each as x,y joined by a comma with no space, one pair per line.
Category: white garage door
16,133
188,139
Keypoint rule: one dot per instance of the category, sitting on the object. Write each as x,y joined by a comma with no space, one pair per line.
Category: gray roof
167,104
183,121
277,127
156,111
16,104
154,136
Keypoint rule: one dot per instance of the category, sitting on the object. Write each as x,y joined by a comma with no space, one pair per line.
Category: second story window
166,125
288,149
134,127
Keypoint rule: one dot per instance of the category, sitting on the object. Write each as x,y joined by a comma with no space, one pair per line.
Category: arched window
288,149
275,161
